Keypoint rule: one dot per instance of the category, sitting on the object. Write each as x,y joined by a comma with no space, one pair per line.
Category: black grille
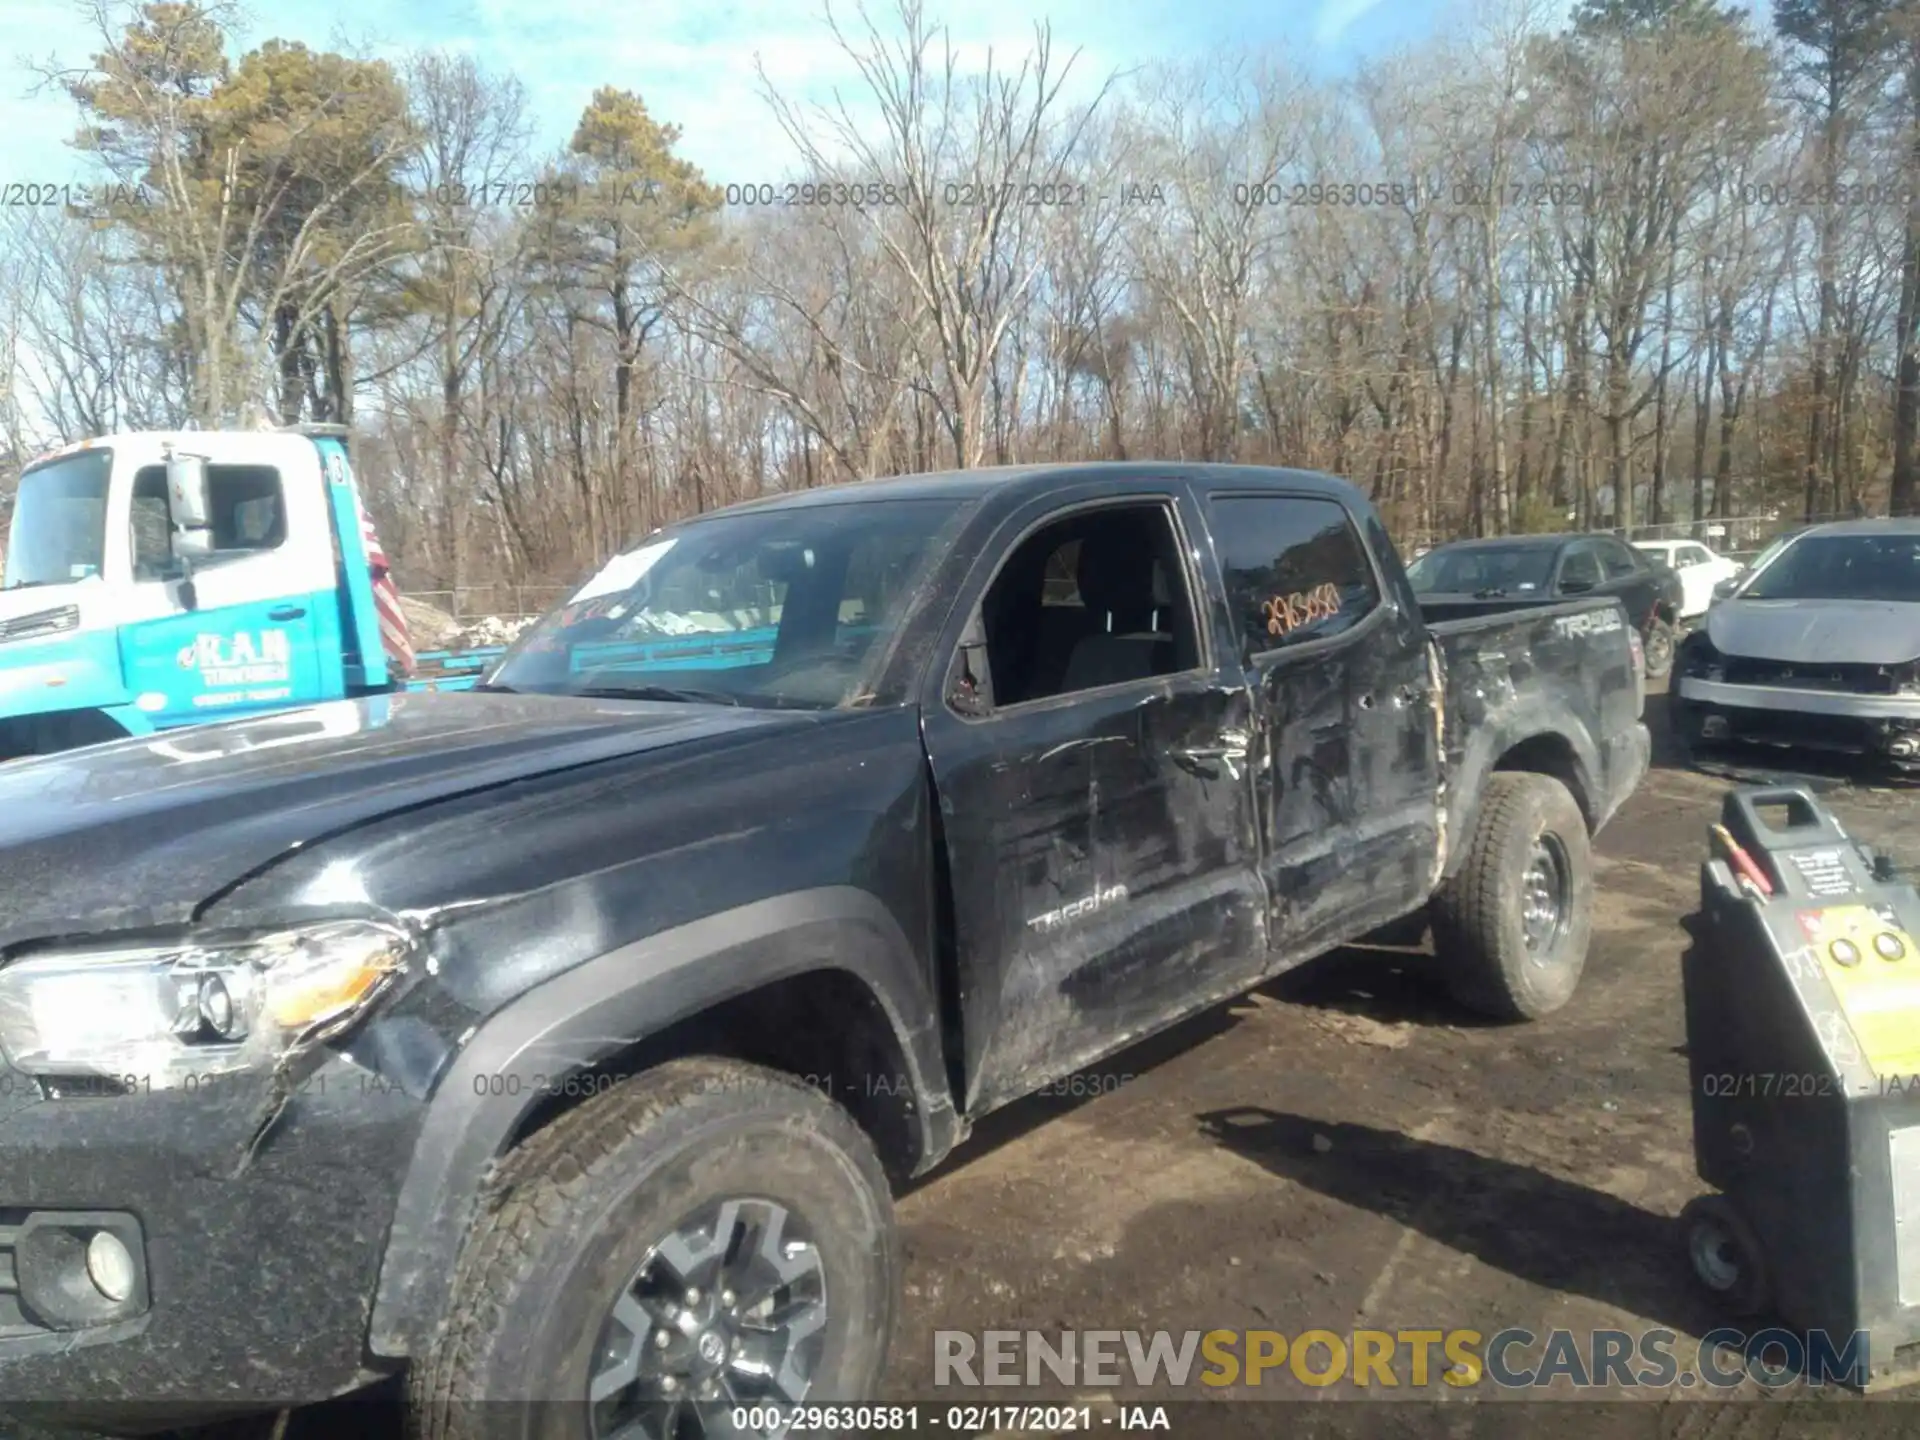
41,622
1841,679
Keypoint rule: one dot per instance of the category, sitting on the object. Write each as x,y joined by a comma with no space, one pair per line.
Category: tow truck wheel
1659,642
709,1235
1512,925
1725,1255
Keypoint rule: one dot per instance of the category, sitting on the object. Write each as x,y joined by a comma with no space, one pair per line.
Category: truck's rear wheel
1513,923
710,1232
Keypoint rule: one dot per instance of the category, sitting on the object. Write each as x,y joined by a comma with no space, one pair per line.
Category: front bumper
1837,720
260,1262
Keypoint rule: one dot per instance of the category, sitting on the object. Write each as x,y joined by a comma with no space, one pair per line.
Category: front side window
1294,568
152,525
1093,599
247,505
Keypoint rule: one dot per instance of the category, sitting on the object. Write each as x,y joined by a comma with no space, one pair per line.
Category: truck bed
1507,669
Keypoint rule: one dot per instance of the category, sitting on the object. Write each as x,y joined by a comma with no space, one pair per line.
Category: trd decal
1590,622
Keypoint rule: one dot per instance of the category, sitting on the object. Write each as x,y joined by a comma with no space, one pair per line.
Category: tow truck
156,580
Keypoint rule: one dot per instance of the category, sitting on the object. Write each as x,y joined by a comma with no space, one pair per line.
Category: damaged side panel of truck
1509,681
1101,876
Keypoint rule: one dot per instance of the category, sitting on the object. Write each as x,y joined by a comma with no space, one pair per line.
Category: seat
1121,583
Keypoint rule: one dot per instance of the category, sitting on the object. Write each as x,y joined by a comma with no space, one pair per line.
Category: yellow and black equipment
1803,1043
1803,1038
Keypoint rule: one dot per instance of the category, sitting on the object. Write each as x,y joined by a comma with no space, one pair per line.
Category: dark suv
1473,577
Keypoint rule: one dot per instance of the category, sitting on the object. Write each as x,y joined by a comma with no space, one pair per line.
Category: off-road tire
1478,929
1661,643
572,1212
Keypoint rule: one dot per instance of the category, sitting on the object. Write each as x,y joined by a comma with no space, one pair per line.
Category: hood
143,831
1810,632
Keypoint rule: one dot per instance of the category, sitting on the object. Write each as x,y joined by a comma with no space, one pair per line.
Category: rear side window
1294,567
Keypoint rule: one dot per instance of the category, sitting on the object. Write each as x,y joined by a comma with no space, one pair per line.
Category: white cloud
1339,16
693,61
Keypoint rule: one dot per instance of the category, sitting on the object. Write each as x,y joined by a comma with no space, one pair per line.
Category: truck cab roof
1020,481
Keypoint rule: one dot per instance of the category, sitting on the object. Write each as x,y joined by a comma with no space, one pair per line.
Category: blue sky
693,62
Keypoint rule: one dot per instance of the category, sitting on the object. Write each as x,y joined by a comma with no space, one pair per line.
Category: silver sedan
1817,647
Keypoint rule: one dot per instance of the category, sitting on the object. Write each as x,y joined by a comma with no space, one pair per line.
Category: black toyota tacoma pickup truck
564,1040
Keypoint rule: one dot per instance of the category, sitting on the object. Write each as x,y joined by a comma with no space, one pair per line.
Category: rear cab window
1294,568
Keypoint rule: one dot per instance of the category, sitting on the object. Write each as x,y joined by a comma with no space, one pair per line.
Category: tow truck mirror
1726,588
187,496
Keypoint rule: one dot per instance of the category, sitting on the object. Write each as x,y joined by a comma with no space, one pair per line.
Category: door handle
286,612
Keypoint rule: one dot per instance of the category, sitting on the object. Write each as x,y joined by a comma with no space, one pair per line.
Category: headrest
1116,570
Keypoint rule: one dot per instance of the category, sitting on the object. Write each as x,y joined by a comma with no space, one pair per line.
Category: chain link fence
1738,537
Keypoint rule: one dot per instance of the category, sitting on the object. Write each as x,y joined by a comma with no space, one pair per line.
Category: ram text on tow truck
478,1021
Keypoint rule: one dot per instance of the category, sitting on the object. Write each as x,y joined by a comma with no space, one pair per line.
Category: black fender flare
1493,738
597,1009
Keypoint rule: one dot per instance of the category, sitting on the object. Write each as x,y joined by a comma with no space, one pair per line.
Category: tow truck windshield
59,529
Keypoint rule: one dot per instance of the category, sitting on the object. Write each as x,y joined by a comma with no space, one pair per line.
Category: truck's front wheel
1513,923
711,1234
1660,641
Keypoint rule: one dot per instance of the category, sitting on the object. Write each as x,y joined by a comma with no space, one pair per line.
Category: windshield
59,530
786,608
1842,567
1509,570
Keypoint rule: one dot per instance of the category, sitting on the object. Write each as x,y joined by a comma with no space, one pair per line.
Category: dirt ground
1346,1150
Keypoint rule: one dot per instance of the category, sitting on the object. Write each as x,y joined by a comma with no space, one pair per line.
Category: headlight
155,1012
1700,660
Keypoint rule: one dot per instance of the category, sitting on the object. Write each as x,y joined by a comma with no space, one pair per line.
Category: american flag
394,636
